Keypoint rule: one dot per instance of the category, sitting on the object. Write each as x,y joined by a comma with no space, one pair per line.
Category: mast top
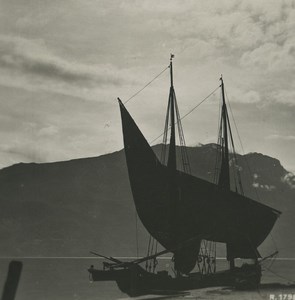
222,90
171,70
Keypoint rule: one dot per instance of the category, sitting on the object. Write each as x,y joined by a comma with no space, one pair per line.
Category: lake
67,279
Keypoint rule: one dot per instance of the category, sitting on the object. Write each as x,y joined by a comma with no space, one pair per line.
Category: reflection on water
67,279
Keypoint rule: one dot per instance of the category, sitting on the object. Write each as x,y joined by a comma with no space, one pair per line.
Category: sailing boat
185,213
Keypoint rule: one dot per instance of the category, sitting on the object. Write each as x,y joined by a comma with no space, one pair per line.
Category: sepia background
64,188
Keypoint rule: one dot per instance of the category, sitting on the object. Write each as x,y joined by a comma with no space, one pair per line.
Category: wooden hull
135,281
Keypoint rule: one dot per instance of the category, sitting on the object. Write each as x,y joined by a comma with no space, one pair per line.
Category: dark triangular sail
151,188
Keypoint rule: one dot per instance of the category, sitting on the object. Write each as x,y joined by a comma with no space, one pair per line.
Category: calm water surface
67,279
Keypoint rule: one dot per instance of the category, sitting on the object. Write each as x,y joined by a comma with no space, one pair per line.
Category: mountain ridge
70,207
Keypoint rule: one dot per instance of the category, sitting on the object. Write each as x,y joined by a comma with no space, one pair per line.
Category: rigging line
219,152
148,254
235,157
136,233
183,152
134,95
240,140
188,112
164,141
199,103
272,261
217,157
274,242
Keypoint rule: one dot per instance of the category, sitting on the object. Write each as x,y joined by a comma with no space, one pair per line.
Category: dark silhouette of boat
188,215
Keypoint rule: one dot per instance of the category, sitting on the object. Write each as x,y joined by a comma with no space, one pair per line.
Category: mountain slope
69,208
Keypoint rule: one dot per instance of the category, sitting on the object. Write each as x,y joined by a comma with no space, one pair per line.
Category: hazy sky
63,63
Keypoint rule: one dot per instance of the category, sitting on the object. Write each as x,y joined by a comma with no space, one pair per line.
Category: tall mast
224,179
172,148
171,164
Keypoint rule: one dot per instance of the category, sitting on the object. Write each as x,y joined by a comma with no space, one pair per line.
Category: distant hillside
69,208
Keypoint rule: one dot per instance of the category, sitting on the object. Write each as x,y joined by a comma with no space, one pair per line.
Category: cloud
98,50
32,58
250,97
281,137
238,26
240,94
284,96
48,131
263,186
274,49
21,152
289,179
257,185
271,57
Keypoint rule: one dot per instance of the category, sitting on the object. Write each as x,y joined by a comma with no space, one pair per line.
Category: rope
248,167
134,95
136,234
274,242
235,157
190,111
148,253
217,157
235,123
199,103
